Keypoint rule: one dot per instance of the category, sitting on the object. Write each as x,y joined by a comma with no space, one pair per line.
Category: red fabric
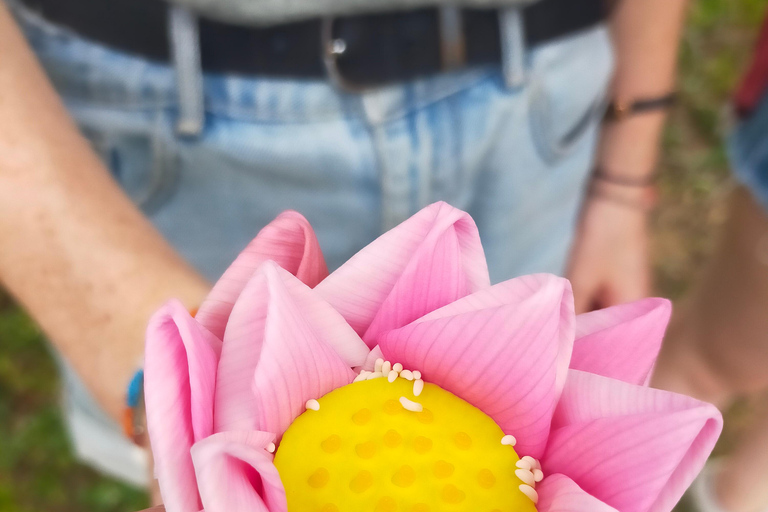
755,81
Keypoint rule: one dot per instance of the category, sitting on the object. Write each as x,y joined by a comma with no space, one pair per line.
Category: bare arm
74,250
646,35
609,262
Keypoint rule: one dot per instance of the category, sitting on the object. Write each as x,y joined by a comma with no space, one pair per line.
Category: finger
584,295
636,288
584,303
623,292
584,283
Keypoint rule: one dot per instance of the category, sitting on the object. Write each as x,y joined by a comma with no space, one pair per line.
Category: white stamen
524,464
530,492
362,376
377,365
532,463
313,404
416,374
374,375
526,476
397,367
508,440
538,475
418,387
271,447
407,374
392,377
386,367
411,405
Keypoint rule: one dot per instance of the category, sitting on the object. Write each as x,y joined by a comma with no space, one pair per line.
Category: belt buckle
333,48
451,37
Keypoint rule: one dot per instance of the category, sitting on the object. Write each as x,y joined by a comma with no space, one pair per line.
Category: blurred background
37,468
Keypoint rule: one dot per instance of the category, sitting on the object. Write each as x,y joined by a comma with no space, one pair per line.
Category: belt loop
453,52
513,47
185,53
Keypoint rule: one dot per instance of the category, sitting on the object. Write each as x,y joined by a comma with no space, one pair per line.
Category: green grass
37,469
694,171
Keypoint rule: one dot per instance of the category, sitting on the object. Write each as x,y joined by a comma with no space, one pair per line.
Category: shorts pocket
140,154
567,94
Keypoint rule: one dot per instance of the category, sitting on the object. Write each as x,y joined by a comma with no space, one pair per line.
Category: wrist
631,145
632,181
622,108
639,197
133,414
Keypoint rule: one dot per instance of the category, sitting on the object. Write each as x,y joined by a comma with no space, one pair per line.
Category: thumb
628,288
585,292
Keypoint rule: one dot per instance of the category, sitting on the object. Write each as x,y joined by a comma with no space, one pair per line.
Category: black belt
370,49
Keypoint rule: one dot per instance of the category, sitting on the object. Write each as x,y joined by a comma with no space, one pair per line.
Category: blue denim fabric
355,165
748,152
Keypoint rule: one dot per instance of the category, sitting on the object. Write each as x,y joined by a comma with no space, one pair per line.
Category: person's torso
266,12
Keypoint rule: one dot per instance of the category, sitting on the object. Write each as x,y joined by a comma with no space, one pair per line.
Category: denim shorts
515,158
748,152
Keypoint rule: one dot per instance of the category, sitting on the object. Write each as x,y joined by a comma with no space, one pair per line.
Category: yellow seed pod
362,451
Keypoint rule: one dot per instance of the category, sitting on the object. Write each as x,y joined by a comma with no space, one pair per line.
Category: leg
740,479
717,345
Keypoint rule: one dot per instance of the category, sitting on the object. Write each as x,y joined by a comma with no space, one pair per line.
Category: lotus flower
518,400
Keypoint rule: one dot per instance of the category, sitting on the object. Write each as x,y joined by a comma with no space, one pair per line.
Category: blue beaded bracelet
132,401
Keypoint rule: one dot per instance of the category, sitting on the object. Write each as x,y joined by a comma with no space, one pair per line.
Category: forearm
646,36
73,249
609,260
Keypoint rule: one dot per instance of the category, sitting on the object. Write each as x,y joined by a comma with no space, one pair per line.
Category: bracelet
618,110
645,203
627,181
133,398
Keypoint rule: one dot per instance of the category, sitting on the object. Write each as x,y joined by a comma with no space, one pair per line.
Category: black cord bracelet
620,110
627,181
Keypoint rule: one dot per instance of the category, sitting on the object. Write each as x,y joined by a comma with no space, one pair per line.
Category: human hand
609,262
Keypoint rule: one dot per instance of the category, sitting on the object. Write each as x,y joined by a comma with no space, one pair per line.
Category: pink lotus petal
621,342
504,349
179,377
428,261
236,473
634,448
370,361
558,493
283,346
288,240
